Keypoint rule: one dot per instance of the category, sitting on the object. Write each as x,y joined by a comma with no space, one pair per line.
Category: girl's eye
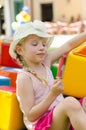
35,44
44,44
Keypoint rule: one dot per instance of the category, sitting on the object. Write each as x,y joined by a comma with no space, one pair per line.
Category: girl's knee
71,104
68,106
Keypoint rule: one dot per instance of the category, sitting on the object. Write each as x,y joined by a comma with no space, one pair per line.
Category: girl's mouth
41,54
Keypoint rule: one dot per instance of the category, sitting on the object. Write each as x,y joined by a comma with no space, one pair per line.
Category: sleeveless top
40,92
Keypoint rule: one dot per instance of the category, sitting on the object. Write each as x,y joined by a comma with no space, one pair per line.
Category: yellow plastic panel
74,77
10,114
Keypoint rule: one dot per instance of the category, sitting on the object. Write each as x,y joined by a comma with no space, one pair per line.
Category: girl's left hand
57,87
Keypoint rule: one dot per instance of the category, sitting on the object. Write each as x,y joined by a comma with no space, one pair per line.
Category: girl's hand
57,87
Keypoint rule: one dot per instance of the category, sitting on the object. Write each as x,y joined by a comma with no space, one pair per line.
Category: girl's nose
41,46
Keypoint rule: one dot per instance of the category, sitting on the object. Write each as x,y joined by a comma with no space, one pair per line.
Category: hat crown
39,25
29,28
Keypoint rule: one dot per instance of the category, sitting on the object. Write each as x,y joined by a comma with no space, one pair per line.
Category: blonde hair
20,58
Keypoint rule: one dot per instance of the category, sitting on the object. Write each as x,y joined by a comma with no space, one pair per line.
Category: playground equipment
72,69
11,117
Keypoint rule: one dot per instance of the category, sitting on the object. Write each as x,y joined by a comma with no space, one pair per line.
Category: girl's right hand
57,87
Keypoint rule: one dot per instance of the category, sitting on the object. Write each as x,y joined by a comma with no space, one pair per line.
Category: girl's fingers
57,81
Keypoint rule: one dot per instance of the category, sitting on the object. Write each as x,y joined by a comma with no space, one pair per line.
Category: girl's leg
83,103
69,110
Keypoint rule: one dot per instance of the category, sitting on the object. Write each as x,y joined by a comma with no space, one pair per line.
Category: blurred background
60,16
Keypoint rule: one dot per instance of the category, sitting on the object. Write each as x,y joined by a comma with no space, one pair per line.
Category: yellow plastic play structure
10,114
74,75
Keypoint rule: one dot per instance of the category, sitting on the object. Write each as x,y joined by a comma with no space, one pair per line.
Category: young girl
40,97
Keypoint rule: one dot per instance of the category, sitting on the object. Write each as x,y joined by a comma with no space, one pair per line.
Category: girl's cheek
32,51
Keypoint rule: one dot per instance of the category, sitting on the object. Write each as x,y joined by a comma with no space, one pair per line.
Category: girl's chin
40,61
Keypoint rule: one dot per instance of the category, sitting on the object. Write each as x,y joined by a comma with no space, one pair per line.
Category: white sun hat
36,27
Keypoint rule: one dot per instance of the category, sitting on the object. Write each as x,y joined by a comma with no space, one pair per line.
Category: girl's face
33,49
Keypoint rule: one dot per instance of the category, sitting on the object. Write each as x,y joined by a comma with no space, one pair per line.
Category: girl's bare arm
66,47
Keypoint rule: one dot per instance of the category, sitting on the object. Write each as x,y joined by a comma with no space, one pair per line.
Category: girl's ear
19,50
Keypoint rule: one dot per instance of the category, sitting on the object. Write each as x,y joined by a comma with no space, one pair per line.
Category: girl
40,97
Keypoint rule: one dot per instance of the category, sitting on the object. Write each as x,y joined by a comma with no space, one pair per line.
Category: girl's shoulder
23,76
23,81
